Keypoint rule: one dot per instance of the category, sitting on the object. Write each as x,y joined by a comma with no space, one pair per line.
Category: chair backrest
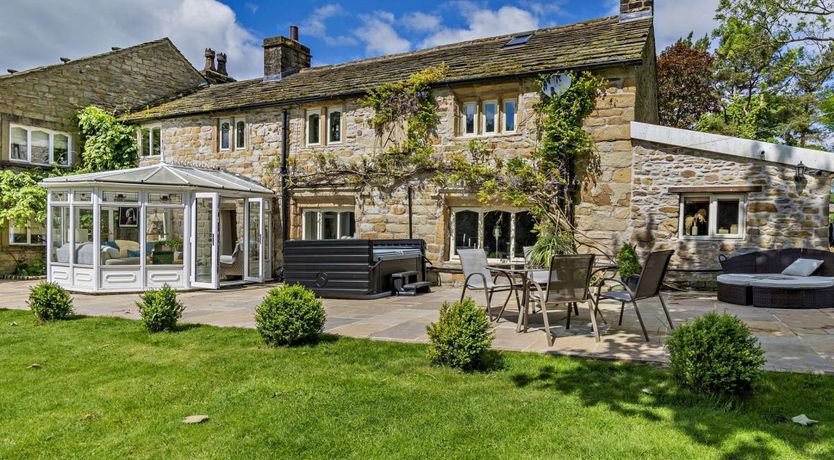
528,252
474,261
569,278
654,271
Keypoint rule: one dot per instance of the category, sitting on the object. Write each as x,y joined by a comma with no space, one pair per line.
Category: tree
108,144
686,88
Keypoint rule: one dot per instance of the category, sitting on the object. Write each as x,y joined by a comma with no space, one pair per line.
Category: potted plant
629,265
163,253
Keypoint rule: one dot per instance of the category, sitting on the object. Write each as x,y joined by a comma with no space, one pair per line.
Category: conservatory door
254,240
204,243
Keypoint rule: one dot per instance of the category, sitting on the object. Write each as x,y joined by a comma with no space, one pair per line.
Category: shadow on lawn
650,393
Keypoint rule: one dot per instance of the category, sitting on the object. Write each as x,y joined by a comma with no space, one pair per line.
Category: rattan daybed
756,279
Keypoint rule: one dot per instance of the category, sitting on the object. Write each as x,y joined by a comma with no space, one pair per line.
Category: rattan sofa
772,290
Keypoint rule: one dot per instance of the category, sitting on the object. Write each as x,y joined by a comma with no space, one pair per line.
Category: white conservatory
140,228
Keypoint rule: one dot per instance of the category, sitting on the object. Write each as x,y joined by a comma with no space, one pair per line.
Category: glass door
205,241
254,239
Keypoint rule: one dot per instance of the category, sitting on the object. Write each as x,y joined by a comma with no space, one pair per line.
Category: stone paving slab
794,340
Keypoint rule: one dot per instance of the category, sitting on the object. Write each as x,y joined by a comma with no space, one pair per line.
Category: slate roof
594,43
164,175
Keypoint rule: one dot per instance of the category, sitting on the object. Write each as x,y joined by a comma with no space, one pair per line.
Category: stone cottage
655,191
38,107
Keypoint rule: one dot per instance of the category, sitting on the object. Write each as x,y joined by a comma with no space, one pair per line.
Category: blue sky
38,32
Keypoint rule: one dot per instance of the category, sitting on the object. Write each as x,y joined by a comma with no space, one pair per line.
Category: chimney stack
635,9
284,56
221,64
209,60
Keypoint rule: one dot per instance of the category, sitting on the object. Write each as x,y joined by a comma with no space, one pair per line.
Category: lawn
107,389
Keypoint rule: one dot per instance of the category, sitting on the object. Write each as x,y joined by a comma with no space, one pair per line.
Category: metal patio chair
479,277
568,283
648,286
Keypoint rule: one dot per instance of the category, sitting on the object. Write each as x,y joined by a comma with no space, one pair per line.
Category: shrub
715,354
628,262
290,315
49,301
160,309
461,337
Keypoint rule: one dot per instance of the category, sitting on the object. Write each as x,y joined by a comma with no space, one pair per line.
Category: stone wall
783,214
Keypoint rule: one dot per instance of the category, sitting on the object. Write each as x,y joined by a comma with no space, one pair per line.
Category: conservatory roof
164,175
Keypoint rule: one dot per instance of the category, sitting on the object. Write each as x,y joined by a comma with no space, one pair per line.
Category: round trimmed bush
160,309
461,337
49,301
290,315
715,354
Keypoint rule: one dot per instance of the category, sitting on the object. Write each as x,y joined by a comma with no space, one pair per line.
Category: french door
205,242
253,267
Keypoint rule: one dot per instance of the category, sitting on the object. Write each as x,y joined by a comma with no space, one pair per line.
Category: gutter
308,99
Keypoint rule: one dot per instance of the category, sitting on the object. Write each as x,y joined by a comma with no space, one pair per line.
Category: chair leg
665,310
597,311
504,307
622,308
640,319
592,306
576,308
546,324
463,293
570,308
488,295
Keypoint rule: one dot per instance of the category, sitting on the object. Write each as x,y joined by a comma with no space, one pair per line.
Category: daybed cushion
799,282
802,267
737,279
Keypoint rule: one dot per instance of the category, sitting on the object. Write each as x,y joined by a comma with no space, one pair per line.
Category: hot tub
352,268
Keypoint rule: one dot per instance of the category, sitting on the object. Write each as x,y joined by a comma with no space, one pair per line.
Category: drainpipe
285,147
410,193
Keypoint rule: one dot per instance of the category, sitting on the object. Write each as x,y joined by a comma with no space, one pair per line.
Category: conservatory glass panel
164,232
60,251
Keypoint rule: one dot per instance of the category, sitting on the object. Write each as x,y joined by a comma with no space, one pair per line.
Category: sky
39,32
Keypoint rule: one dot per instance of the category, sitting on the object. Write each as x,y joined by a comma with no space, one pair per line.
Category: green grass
108,389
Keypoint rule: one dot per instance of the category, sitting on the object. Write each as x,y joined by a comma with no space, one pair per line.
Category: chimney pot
294,33
221,64
209,60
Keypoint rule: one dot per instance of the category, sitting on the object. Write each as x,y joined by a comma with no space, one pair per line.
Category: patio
794,340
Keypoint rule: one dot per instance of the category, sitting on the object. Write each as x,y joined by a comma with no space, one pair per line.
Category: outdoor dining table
527,275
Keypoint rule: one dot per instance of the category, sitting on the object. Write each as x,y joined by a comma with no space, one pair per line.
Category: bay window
712,216
328,224
502,233
39,146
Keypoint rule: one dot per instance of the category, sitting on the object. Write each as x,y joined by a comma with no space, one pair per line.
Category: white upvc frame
482,212
215,241
307,114
246,239
504,115
237,138
231,136
496,117
142,140
712,218
330,111
475,118
51,136
319,223
28,242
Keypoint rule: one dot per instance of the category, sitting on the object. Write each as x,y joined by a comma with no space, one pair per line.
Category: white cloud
421,22
675,19
315,25
37,33
378,34
481,22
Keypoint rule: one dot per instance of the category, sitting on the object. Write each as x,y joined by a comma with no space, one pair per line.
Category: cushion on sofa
799,282
737,279
802,267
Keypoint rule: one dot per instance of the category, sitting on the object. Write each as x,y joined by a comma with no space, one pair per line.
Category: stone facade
49,97
784,213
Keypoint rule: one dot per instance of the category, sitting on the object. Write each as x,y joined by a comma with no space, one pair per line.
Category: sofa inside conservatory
138,229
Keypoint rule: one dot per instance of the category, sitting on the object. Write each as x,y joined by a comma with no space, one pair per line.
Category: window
39,146
519,40
149,141
314,127
502,233
61,248
509,115
240,134
164,229
334,123
32,234
490,114
328,224
225,134
712,216
470,112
